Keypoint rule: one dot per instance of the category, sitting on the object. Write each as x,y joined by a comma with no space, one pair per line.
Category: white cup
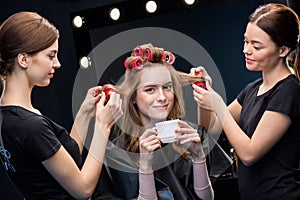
166,130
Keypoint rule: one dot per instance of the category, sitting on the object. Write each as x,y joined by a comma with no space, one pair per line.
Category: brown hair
281,23
24,32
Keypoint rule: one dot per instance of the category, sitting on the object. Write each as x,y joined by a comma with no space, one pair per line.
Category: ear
23,60
284,51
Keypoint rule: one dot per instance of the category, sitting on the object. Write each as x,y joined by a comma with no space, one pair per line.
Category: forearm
209,121
93,164
80,128
202,184
147,189
236,136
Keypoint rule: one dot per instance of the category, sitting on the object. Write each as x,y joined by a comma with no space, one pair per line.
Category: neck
270,78
15,92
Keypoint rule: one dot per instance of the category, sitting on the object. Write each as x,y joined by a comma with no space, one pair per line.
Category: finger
189,140
197,88
152,140
192,71
102,99
94,91
183,124
148,133
150,148
202,69
208,86
185,131
186,135
183,139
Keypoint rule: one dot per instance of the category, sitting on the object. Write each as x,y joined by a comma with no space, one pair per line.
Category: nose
56,64
161,94
246,49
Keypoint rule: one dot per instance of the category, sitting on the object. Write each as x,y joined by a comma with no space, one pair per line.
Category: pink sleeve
202,184
147,189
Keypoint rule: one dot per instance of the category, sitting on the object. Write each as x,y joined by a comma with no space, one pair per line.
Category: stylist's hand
92,97
195,70
208,99
107,114
189,137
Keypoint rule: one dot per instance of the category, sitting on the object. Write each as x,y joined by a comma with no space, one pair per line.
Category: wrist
199,160
145,163
83,112
198,157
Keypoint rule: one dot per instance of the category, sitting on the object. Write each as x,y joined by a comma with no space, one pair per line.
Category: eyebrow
151,84
53,51
254,41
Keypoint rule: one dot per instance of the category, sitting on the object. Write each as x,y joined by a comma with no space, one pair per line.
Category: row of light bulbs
115,13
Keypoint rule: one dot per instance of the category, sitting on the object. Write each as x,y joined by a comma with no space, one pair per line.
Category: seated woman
138,164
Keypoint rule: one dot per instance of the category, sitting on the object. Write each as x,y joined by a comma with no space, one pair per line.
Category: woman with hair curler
42,160
140,164
262,123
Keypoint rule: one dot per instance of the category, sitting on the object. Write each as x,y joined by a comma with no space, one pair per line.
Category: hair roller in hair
201,84
138,51
108,89
168,57
137,63
148,54
133,62
126,64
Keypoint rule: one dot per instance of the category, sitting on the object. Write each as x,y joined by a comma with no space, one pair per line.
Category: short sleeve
40,139
286,99
241,96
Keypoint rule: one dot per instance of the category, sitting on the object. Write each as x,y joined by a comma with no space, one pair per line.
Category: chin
159,118
44,84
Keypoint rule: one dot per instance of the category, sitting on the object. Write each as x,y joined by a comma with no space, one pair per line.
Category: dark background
224,22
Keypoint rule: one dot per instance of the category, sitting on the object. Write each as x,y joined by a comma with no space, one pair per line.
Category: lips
161,107
248,60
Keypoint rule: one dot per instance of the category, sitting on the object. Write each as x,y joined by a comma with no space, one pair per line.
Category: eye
52,57
168,87
257,47
150,90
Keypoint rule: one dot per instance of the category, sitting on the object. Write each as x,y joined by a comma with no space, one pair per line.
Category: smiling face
43,65
154,95
261,53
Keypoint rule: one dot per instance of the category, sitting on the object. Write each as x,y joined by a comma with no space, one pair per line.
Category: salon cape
173,174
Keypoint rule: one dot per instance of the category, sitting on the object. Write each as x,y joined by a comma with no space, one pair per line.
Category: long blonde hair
131,123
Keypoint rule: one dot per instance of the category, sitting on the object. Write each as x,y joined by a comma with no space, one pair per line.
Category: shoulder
289,86
249,91
253,84
25,120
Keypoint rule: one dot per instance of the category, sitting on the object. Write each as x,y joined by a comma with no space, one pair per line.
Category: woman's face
154,95
261,53
43,65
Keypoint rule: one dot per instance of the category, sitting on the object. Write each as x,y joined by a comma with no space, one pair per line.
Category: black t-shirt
272,177
31,139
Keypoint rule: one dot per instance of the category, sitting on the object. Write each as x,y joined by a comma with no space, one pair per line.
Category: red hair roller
148,54
201,84
137,63
168,57
138,51
108,89
125,64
